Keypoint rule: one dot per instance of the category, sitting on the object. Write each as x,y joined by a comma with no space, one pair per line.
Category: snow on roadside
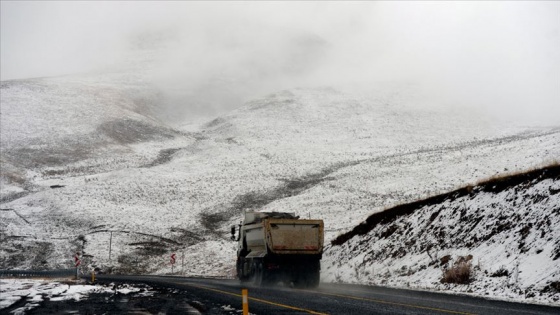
36,291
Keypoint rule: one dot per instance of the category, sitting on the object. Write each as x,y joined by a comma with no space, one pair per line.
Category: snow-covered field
87,166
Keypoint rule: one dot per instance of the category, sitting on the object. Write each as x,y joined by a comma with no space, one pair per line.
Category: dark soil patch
213,221
150,248
127,131
499,184
556,251
164,156
502,272
553,287
66,151
14,196
187,237
258,200
389,231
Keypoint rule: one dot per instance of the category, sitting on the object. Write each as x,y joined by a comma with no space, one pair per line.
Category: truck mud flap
256,254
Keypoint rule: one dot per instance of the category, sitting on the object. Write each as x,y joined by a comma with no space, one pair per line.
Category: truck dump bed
294,236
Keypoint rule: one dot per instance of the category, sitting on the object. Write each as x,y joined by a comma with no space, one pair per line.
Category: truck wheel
313,279
258,275
307,279
299,283
239,268
300,280
243,278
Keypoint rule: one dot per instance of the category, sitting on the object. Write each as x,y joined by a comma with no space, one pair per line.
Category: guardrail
60,273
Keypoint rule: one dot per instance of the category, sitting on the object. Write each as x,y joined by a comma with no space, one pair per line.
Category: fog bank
501,58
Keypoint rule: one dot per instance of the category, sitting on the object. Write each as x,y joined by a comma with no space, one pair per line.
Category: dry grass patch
460,273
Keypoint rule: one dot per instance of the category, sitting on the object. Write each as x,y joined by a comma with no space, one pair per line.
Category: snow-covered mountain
89,165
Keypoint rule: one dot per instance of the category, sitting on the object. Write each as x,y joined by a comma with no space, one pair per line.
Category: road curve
218,295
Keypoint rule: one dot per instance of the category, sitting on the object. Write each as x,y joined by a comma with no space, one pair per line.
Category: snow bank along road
215,296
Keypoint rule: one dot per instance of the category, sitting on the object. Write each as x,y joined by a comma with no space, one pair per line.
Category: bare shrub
337,277
502,272
460,272
443,261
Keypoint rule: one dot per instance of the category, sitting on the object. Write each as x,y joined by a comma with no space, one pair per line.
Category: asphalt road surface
216,296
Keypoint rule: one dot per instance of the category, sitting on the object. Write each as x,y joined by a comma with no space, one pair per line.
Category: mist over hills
160,151
497,58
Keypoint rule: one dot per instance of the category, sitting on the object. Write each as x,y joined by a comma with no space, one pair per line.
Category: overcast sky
500,56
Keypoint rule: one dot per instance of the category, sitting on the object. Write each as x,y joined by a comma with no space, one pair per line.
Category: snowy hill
80,125
506,227
88,166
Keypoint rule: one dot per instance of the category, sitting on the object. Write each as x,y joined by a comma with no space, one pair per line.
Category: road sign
173,258
77,260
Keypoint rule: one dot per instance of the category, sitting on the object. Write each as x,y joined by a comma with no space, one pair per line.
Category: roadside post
93,276
110,244
245,296
173,260
183,263
77,263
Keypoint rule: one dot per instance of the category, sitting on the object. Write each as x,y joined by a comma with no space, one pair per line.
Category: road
213,296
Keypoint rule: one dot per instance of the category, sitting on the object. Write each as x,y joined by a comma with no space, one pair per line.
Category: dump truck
278,246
